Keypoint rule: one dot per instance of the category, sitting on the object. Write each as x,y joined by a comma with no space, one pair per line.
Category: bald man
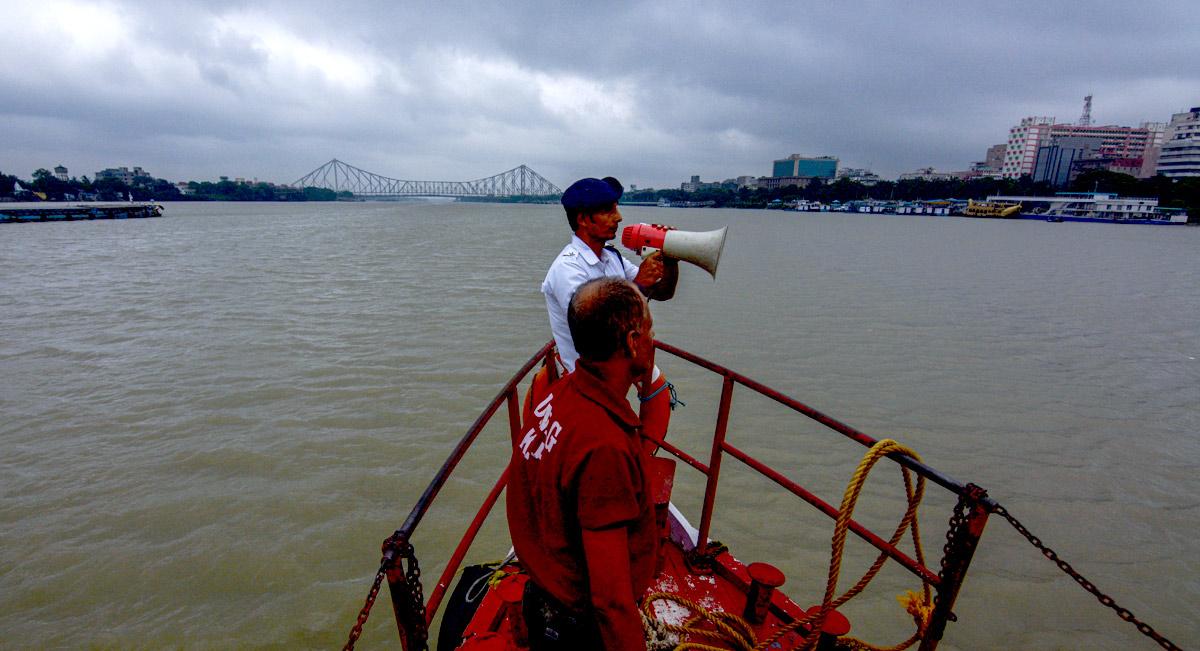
580,511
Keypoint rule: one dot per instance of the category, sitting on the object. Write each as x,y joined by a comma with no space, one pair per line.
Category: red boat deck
723,588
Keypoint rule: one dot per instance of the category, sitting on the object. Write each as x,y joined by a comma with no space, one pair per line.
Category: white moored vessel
1101,207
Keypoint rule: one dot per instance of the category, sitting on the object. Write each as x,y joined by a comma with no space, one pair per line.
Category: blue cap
589,193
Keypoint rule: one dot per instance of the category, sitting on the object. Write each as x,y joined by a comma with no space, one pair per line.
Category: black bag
460,609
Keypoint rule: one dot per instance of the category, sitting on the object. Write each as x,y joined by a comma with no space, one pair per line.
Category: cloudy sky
650,92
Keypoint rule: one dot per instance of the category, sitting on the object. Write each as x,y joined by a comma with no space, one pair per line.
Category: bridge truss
343,177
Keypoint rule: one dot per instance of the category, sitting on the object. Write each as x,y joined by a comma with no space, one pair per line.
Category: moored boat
991,209
54,212
1094,207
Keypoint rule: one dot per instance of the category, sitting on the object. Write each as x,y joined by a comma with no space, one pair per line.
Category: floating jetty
10,214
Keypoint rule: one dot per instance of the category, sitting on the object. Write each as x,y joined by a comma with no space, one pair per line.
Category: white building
1180,155
1023,140
123,174
60,173
927,174
858,175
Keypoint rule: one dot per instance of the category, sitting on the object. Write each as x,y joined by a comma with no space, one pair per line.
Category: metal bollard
764,578
836,625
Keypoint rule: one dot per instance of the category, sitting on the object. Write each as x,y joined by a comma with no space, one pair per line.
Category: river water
209,421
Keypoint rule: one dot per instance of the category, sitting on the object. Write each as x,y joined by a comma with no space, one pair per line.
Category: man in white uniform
592,213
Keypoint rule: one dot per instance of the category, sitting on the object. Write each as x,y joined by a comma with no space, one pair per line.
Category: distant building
991,166
1150,156
1180,155
1130,166
1062,159
776,182
695,185
1056,158
1020,153
747,182
184,188
1112,141
821,167
858,175
1150,162
994,159
1158,132
979,170
122,174
928,174
60,173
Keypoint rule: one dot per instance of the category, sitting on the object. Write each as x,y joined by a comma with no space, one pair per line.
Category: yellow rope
736,632
842,527
730,628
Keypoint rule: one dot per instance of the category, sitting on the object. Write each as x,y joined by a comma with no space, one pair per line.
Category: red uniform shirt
577,464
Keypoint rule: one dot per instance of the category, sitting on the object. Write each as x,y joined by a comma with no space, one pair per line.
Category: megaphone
702,249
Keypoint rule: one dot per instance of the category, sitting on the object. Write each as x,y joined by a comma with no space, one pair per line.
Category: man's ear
630,345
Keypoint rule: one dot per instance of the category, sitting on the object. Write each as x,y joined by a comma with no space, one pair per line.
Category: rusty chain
363,614
1122,612
401,550
413,579
958,520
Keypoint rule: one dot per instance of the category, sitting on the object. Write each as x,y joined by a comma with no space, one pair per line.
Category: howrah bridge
343,177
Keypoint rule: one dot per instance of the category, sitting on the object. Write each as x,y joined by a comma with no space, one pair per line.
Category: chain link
363,614
401,550
413,579
958,520
1122,612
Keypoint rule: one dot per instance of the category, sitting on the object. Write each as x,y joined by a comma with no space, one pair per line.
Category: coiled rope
735,632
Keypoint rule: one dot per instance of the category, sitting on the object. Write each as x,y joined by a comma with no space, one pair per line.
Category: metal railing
967,522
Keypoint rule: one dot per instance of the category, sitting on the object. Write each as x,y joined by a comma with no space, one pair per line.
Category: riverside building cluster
1056,152
1043,148
795,170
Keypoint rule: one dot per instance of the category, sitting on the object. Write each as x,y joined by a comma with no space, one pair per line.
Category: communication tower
1085,120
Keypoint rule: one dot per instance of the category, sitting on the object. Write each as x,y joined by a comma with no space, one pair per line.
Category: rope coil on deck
727,627
734,631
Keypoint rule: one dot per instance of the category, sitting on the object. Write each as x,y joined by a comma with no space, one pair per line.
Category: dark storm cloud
652,92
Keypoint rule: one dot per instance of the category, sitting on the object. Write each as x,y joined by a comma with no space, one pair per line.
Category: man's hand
657,276
650,271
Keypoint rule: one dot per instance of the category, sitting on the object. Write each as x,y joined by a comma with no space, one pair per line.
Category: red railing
972,511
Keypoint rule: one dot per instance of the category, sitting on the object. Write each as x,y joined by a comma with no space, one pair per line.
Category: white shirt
575,265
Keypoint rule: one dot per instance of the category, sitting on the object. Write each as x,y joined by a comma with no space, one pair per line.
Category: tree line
1171,193
145,188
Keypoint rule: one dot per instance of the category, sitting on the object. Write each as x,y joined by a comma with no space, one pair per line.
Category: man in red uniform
580,511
